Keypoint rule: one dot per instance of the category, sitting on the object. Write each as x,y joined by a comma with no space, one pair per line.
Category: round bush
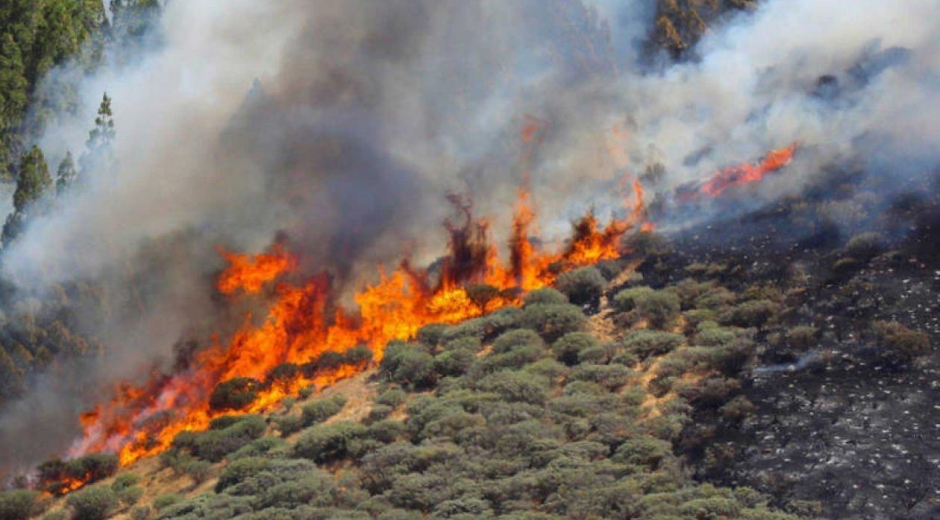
583,286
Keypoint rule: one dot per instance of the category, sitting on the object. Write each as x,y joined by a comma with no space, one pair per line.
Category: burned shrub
583,286
901,344
283,376
235,394
481,295
753,313
802,338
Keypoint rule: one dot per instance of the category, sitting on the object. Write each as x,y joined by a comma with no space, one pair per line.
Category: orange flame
303,322
748,173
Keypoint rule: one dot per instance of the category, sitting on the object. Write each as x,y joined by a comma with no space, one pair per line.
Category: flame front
748,173
303,323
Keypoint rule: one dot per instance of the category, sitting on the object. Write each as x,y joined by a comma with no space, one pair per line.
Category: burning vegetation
306,340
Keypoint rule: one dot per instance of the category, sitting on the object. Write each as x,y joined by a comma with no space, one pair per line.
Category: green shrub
753,313
94,467
140,513
865,246
413,368
644,451
379,412
306,392
131,495
570,346
233,474
454,362
516,386
235,394
322,409
516,338
20,504
432,334
125,480
392,398
214,445
328,443
289,424
166,500
553,321
627,299
901,343
92,503
270,447
515,359
583,286
610,377
659,308
546,296
198,470
60,514
645,343
475,328
358,356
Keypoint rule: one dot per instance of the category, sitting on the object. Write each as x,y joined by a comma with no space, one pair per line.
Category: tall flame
748,173
303,323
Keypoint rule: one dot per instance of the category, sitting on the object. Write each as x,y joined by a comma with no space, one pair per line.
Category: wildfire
286,351
748,173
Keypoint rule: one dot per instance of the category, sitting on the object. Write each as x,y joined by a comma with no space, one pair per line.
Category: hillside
532,412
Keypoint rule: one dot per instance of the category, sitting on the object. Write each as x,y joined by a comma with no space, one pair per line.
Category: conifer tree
99,154
66,174
32,182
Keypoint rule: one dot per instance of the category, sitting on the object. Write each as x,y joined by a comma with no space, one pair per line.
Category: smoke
363,114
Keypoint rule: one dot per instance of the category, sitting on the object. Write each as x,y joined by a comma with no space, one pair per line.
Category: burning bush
235,394
60,477
20,505
582,286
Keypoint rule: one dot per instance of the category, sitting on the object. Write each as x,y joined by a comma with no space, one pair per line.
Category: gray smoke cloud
365,113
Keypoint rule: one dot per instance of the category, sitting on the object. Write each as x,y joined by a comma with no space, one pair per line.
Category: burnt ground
839,430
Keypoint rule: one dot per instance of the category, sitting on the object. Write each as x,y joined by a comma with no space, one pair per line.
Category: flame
251,274
304,322
748,173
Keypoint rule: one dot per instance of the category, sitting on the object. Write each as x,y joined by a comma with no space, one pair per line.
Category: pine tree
99,154
66,174
32,182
